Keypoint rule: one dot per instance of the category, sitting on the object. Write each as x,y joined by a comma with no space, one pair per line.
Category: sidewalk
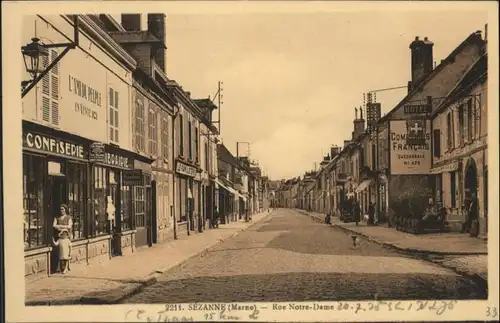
118,278
459,252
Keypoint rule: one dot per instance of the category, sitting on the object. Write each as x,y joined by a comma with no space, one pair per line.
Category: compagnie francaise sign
410,147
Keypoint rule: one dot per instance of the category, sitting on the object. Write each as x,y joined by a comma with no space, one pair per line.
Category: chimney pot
417,38
426,39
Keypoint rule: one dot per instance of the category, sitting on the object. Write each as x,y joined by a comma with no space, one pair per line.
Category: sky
291,81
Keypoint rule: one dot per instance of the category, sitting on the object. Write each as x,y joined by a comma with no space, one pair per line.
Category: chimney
156,26
334,151
359,125
131,22
421,59
346,143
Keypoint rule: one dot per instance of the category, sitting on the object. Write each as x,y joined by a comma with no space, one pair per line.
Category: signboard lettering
53,145
417,109
97,153
410,147
115,160
86,92
184,169
133,178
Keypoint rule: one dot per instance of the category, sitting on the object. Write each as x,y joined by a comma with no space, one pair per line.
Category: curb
139,285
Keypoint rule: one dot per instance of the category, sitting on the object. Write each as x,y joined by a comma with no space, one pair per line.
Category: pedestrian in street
467,210
371,214
357,212
215,218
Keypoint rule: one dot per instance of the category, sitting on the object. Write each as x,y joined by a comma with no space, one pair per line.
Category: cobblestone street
289,257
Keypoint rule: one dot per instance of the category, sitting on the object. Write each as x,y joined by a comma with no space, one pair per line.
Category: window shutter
55,113
437,143
46,109
46,78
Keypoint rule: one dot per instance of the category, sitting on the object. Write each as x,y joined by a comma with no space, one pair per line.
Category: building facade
77,148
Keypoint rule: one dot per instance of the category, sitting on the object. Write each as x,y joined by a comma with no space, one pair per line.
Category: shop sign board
133,177
97,152
54,146
410,152
186,170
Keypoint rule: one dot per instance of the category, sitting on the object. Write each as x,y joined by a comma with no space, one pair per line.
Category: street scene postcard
254,161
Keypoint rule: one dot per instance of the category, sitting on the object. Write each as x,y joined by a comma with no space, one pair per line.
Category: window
153,135
470,121
113,115
196,145
449,131
437,142
50,90
77,200
453,189
33,201
126,207
105,196
139,125
164,138
181,133
374,157
140,206
190,138
206,156
461,121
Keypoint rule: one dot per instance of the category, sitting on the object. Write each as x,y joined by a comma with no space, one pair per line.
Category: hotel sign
54,146
185,169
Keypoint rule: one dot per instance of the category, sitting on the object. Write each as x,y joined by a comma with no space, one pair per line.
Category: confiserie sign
44,143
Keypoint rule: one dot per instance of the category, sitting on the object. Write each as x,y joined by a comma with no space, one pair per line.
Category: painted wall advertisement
410,146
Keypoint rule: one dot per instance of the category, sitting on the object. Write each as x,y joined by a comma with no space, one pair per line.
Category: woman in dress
61,223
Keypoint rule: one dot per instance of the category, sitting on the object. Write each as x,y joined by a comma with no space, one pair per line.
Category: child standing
64,244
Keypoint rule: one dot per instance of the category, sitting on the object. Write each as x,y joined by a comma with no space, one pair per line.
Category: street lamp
31,55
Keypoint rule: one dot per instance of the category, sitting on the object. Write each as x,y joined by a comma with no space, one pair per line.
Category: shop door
150,201
154,218
141,218
112,200
57,196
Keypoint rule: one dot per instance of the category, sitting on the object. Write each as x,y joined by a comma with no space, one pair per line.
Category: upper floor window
461,123
140,140
190,138
181,135
437,142
196,145
153,135
50,90
113,115
164,138
470,120
206,156
449,131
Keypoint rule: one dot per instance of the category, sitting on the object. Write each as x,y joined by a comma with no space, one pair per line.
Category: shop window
139,125
153,135
33,201
113,115
140,206
164,138
76,175
105,197
126,208
50,90
182,201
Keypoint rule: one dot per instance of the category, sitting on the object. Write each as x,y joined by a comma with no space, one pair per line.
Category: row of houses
134,156
429,150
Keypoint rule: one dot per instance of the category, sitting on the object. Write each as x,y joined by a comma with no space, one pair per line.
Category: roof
474,37
476,73
225,155
133,37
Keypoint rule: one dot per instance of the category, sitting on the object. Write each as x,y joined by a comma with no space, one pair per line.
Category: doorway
57,196
471,185
154,222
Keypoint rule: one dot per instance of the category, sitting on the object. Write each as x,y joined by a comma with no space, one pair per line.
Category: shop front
94,180
185,175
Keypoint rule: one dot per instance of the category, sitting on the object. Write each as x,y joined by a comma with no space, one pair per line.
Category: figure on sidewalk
64,250
470,210
215,219
356,211
63,221
328,218
371,214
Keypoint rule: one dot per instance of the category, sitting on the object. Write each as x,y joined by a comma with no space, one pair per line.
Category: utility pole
220,102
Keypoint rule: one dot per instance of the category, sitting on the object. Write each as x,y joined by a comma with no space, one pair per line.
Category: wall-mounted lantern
31,55
33,51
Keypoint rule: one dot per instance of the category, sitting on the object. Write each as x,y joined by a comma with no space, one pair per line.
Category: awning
229,189
450,167
364,184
